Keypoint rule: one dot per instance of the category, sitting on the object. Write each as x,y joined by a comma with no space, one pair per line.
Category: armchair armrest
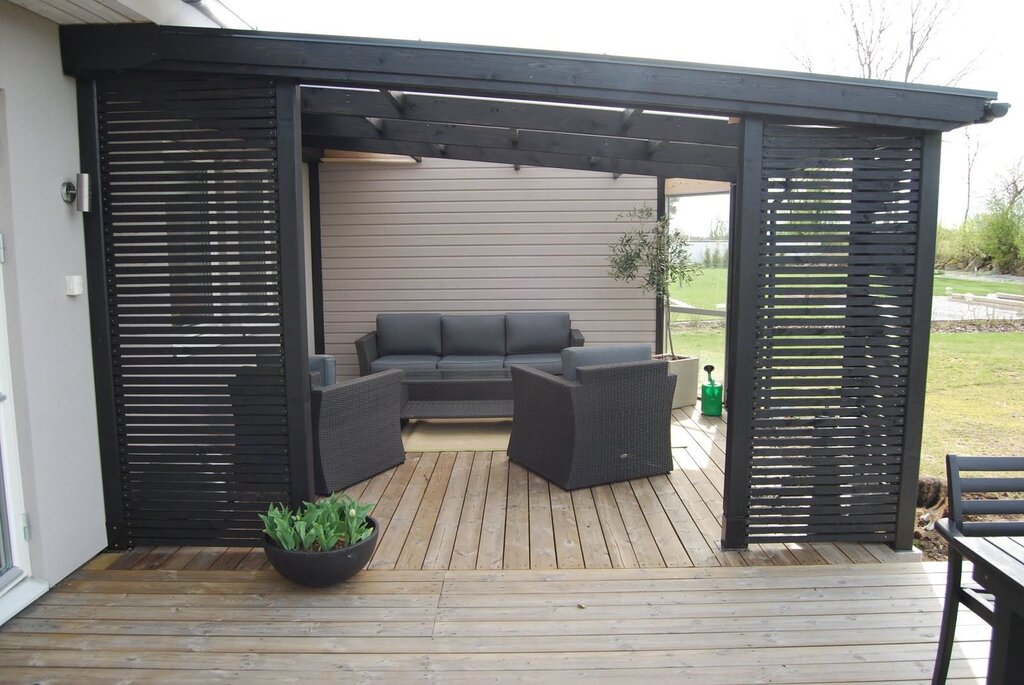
366,352
356,429
543,425
576,338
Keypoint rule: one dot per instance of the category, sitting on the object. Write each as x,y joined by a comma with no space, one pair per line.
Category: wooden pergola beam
525,115
721,158
517,157
600,80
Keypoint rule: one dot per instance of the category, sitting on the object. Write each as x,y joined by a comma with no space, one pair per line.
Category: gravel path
945,309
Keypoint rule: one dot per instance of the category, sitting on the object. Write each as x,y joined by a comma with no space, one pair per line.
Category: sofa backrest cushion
575,357
536,332
473,334
408,334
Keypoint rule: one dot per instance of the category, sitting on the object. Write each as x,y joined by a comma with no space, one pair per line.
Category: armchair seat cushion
411,362
471,361
574,357
550,362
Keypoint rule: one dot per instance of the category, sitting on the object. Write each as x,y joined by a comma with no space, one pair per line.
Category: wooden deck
476,510
794,624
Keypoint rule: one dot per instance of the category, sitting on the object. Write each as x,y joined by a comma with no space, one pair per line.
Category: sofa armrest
576,338
366,352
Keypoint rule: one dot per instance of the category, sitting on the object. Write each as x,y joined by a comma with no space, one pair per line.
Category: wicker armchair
356,429
611,424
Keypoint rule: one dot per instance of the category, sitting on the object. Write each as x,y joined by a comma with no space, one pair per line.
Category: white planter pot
686,371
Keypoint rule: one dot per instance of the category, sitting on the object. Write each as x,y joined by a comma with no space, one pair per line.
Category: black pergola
196,262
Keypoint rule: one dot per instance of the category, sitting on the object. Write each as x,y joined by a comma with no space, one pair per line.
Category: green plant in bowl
331,523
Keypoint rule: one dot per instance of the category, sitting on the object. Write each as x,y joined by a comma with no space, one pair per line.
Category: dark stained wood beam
629,116
535,141
522,158
602,80
396,98
527,115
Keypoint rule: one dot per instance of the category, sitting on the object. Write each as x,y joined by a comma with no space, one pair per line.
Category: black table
457,393
999,568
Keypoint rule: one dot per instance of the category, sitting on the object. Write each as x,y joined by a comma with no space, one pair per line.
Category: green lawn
706,291
975,286
975,398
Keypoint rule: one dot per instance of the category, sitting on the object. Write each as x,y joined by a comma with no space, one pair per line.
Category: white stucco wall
49,337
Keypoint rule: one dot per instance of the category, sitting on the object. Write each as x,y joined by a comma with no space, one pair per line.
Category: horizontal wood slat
836,252
189,187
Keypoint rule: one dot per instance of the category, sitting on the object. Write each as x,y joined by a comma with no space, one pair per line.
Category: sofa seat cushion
476,362
473,334
550,362
575,357
407,362
409,334
536,332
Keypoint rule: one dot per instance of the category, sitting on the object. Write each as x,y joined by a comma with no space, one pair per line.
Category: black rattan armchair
356,429
611,424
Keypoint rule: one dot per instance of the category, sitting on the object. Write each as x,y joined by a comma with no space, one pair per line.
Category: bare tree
972,156
884,49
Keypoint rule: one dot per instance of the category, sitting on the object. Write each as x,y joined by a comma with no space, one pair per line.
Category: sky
986,34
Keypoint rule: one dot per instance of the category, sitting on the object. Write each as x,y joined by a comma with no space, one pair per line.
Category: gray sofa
415,342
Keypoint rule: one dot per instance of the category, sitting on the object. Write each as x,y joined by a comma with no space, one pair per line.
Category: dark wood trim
99,320
521,74
293,292
731,293
660,312
917,376
316,255
524,158
503,138
516,115
742,316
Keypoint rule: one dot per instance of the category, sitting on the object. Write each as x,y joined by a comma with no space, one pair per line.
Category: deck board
848,623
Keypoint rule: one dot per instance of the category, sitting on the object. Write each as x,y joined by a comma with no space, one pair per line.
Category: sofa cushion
408,334
407,362
473,334
476,362
575,357
536,332
551,362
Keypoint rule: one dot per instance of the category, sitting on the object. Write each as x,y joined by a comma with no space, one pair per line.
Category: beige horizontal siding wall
465,237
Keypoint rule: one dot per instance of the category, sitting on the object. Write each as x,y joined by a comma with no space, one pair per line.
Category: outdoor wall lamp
77,192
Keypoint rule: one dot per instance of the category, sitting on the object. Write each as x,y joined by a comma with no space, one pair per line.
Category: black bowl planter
322,569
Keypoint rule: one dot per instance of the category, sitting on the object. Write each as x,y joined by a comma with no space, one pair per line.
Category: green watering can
711,395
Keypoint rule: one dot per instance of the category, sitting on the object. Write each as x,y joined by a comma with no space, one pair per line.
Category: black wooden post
316,255
743,330
662,317
99,319
293,292
917,376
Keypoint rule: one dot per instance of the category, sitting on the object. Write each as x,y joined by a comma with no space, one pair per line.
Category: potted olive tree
321,543
658,257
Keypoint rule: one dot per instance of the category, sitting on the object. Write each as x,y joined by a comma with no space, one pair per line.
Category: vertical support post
293,291
731,294
921,320
742,314
662,317
316,255
118,535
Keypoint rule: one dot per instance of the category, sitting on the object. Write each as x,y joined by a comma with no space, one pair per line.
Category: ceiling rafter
525,115
585,146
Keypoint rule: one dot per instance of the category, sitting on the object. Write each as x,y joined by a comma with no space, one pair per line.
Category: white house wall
51,358
466,237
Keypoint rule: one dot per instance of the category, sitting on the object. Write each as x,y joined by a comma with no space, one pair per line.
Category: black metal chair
973,596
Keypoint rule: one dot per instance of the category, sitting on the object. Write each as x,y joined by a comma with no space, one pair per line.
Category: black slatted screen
190,215
837,243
